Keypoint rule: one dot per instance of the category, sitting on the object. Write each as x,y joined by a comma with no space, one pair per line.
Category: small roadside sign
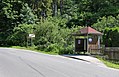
31,35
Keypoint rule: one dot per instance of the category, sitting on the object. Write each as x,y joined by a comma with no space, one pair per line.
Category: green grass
34,49
110,63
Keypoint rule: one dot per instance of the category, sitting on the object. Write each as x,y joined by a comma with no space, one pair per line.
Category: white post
98,42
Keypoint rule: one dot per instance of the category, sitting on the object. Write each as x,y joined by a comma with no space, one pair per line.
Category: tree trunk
61,7
54,7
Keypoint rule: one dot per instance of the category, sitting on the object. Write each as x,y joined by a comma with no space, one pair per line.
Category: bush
110,35
52,48
66,50
20,34
51,37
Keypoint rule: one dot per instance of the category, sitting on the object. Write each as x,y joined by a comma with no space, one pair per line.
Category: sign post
31,36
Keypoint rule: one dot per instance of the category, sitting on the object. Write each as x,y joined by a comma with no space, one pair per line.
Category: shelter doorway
80,45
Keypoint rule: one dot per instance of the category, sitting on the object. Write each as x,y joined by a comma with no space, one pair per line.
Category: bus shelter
87,40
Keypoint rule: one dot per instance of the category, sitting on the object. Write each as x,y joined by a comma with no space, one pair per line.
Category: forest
52,22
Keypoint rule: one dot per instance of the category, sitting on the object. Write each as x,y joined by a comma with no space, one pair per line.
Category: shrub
52,48
20,34
51,37
66,50
111,36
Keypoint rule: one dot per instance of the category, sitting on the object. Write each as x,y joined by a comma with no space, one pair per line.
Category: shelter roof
86,31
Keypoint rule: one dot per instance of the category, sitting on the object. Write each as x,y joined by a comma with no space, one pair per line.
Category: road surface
24,63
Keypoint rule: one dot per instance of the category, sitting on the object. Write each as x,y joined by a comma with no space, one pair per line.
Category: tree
12,14
26,15
109,37
105,22
20,35
55,7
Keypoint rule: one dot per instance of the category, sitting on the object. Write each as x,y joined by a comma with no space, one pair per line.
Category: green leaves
51,36
20,34
54,20
104,22
27,15
13,13
110,35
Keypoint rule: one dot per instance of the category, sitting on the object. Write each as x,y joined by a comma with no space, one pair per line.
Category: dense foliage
111,36
52,21
50,36
110,28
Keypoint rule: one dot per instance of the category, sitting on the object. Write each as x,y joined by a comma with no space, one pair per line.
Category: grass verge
110,63
34,49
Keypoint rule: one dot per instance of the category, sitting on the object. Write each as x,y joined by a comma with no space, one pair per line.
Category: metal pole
87,42
31,41
26,41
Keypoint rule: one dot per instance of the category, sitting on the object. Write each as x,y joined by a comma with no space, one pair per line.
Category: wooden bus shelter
87,40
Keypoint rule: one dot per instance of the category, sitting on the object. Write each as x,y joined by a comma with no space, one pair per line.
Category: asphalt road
24,63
